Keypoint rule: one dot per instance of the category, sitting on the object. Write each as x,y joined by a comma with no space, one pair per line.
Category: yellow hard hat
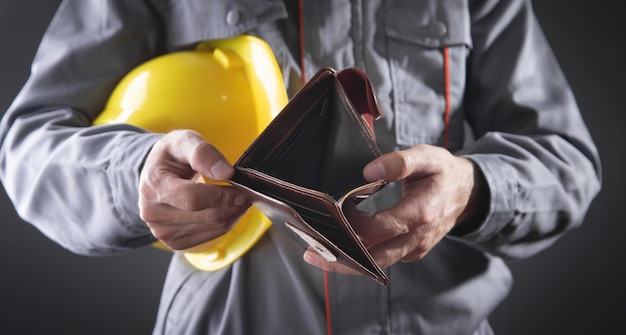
227,90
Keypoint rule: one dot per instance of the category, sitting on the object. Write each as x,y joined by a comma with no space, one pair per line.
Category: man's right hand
182,210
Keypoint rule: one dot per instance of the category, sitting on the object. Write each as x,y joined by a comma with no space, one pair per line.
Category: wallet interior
325,150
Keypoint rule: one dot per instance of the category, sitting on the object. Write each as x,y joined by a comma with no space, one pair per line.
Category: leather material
306,168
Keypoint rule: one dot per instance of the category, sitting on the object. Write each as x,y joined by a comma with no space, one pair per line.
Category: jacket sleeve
536,154
75,182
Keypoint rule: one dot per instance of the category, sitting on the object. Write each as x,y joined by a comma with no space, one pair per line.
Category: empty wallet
307,165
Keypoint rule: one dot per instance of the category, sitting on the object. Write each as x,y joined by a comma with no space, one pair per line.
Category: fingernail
375,171
310,257
221,170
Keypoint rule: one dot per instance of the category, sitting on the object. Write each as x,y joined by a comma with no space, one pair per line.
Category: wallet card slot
336,236
320,222
315,216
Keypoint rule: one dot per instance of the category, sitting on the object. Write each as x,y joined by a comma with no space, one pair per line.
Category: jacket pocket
428,43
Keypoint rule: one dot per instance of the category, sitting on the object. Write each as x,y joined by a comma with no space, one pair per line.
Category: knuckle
223,220
405,161
414,257
145,191
164,235
191,203
427,219
220,224
181,134
149,183
179,245
418,252
173,239
401,163
394,225
227,196
382,216
148,214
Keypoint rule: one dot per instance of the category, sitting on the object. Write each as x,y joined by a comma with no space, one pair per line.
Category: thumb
188,147
419,160
389,167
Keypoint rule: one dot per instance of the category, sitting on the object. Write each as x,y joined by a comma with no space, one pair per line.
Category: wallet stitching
291,186
355,115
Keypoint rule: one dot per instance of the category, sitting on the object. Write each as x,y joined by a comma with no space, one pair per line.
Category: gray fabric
78,184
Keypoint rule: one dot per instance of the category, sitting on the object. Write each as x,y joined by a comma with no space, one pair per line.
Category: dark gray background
576,287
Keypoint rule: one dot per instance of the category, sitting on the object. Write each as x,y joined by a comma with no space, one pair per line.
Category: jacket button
233,17
439,29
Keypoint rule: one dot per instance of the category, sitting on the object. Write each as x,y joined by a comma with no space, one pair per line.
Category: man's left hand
437,195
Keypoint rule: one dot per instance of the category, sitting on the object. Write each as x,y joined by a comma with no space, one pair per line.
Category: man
455,206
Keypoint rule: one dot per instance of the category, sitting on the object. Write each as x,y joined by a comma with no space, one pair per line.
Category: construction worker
454,207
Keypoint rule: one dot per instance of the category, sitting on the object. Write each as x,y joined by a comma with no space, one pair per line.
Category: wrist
477,205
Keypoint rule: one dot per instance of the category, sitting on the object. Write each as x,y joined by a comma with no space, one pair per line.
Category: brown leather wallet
307,165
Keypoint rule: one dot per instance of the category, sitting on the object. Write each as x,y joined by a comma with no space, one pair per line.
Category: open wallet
306,167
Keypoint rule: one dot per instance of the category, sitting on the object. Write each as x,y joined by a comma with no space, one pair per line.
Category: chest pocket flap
429,23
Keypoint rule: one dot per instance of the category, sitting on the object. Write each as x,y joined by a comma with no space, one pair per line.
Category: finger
384,254
194,196
406,248
163,214
182,230
190,148
313,258
393,166
374,229
190,240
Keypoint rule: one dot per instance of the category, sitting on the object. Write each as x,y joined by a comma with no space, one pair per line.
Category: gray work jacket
78,184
